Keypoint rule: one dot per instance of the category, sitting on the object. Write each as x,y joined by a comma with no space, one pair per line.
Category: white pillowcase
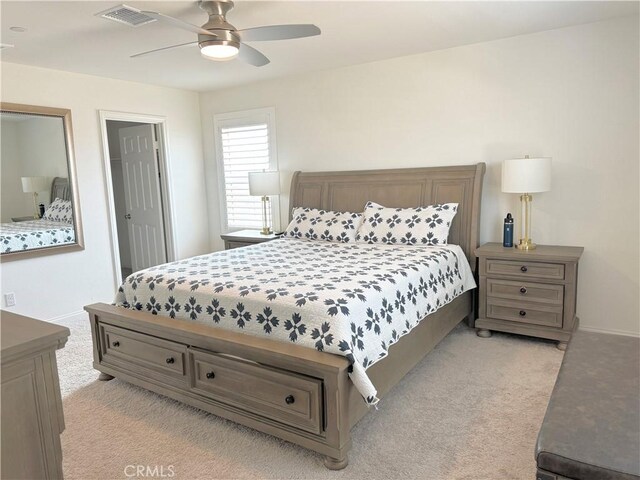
59,211
314,224
407,226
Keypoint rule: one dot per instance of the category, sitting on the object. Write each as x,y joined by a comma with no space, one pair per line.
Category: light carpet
470,410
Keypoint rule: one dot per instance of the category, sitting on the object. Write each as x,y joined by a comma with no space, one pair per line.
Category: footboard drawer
281,395
143,354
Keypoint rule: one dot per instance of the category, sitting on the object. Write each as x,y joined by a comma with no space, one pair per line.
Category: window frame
238,119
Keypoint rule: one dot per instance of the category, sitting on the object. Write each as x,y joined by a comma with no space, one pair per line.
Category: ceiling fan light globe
219,51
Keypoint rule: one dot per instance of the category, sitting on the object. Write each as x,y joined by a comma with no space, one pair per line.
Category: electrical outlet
10,299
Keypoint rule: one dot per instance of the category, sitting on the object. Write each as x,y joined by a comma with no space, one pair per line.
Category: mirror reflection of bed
46,226
39,213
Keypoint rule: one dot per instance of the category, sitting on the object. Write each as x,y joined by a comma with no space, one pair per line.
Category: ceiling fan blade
278,32
163,48
178,23
252,56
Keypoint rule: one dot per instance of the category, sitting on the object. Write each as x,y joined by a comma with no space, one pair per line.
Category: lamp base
526,244
266,231
36,210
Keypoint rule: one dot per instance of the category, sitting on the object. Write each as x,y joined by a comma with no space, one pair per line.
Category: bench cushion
592,425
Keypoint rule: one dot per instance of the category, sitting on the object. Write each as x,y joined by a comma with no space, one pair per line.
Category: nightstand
244,238
528,292
23,219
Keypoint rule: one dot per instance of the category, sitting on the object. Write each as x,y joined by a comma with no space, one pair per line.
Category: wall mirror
39,206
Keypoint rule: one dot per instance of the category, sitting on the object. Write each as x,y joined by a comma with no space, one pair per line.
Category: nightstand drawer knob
523,268
523,290
522,313
211,375
171,360
116,344
290,399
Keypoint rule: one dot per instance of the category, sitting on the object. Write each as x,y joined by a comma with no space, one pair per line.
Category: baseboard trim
67,316
610,331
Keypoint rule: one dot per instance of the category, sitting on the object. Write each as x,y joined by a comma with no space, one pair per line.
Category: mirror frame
65,115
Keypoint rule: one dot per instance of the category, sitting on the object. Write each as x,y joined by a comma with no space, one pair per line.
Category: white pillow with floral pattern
314,224
59,211
406,226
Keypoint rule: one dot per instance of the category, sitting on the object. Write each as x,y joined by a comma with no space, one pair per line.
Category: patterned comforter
19,236
354,300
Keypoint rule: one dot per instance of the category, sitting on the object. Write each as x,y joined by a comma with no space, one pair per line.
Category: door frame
165,190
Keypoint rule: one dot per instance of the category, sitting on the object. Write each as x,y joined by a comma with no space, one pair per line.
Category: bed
309,396
39,233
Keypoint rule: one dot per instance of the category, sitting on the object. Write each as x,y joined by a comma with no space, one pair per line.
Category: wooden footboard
295,393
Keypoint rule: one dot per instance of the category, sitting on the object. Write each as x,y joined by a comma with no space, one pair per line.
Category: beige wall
58,285
571,94
13,201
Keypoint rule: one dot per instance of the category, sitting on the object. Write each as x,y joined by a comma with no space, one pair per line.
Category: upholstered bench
592,426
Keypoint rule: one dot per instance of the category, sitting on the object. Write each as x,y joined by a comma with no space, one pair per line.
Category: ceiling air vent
127,15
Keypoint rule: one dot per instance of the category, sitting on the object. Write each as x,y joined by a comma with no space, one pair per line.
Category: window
245,142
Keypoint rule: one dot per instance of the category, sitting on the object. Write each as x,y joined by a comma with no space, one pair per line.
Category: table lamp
263,184
526,176
35,185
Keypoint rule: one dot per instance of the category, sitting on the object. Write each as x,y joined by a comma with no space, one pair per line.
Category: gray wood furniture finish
60,189
528,292
185,361
244,238
31,411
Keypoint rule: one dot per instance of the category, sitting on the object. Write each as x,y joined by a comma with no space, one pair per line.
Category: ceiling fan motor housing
225,32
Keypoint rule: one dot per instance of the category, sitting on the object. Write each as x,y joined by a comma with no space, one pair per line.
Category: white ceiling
67,35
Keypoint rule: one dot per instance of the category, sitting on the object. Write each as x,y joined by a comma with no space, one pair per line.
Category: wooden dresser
31,411
529,292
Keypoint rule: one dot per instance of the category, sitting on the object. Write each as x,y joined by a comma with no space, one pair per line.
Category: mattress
354,300
20,236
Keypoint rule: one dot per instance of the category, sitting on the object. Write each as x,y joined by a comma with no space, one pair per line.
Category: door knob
128,216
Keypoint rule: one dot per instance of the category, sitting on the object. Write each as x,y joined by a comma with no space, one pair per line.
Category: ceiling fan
219,40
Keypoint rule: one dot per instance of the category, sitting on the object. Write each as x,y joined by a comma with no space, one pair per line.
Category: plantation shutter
245,149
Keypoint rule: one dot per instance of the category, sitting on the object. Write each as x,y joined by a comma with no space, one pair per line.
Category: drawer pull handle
116,344
523,268
290,399
211,375
523,290
171,360
523,313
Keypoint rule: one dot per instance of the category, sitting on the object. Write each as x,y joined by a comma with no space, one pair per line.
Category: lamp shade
526,175
34,184
264,183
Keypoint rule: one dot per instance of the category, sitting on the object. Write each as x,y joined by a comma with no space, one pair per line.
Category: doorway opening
136,172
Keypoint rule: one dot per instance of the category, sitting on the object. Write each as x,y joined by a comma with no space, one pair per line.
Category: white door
141,174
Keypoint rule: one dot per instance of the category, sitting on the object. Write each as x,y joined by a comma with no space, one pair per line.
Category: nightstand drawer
524,269
524,312
526,291
230,245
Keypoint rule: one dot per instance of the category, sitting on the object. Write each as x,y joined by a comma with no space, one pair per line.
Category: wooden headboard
60,189
408,187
